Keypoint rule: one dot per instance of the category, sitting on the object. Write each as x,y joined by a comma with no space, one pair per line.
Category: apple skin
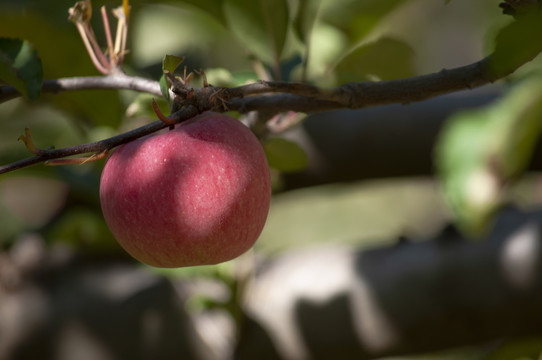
195,195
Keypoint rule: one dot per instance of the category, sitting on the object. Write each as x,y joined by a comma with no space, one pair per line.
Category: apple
195,195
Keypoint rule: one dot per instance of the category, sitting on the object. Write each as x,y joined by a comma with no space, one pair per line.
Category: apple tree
327,179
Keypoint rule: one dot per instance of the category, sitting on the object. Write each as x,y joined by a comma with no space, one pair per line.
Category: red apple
195,195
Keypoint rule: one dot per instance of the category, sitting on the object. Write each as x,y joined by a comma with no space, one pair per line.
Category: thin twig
98,146
117,81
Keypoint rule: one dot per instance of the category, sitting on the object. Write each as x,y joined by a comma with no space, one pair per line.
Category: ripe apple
195,195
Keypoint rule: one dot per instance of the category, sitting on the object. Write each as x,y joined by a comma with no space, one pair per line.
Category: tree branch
289,96
117,81
357,95
95,147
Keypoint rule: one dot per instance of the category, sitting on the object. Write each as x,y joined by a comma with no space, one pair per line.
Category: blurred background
68,291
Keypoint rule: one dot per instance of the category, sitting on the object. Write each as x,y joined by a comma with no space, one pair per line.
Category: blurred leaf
285,155
330,44
244,77
224,271
357,18
219,77
385,59
260,25
84,229
49,127
212,7
517,43
89,107
223,77
63,55
303,25
481,151
160,29
353,214
305,18
20,66
142,106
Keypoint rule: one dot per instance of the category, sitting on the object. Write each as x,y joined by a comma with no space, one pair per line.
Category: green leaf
169,63
20,66
285,155
384,59
517,43
260,25
481,151
164,88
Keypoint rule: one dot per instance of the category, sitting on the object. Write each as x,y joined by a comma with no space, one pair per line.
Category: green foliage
217,35
223,77
62,54
518,42
285,155
479,154
377,60
20,66
482,151
170,63
142,106
305,18
357,18
212,7
260,25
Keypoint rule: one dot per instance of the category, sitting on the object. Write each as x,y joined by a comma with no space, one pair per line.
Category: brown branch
357,95
288,96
